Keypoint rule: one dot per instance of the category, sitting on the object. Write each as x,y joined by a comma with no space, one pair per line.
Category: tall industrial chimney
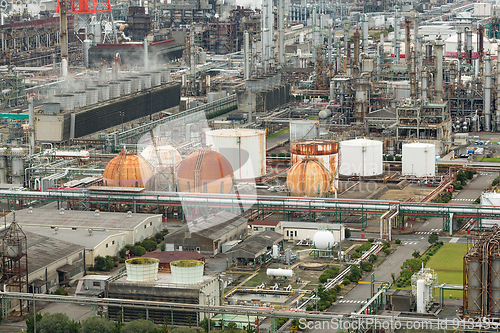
281,32
397,51
407,41
364,28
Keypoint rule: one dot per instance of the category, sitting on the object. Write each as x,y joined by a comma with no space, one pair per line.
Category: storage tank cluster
361,157
419,159
309,177
128,170
142,269
245,149
187,271
95,91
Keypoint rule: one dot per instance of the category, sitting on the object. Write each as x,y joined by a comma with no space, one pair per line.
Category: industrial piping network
264,203
251,311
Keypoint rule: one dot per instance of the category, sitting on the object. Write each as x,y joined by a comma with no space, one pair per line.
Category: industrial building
255,249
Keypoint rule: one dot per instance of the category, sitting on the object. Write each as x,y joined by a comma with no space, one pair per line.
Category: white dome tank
361,157
245,149
187,271
323,240
419,159
142,269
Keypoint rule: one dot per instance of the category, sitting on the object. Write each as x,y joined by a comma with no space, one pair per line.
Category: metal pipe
246,38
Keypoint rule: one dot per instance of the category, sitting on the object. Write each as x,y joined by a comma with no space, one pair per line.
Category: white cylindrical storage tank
146,80
421,296
114,89
325,113
142,269
275,251
323,240
245,149
126,86
103,92
303,129
17,165
419,159
3,165
361,157
279,272
80,98
92,95
187,271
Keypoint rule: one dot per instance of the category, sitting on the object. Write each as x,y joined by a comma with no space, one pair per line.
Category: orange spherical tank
308,178
127,170
205,171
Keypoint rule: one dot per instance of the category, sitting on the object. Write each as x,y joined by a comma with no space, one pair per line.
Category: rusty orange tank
308,178
205,171
127,170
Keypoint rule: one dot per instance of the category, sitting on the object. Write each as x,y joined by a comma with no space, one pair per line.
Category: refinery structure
271,150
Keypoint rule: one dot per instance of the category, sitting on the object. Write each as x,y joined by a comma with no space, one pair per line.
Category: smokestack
64,37
480,47
365,34
31,127
438,80
423,93
146,60
497,87
397,52
246,39
281,32
315,32
487,93
407,41
267,19
330,50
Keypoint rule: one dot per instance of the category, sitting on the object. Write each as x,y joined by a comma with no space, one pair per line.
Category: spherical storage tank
187,271
205,171
419,159
323,240
308,178
325,151
161,157
361,157
245,149
142,269
127,170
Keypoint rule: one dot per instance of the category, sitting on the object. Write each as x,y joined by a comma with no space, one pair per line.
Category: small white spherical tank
142,269
361,157
187,271
245,149
323,240
419,159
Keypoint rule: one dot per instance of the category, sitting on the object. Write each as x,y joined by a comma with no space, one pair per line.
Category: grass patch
278,133
312,118
448,265
258,279
490,159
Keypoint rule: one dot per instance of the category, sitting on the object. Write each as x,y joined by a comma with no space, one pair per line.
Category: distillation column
397,52
487,93
423,92
497,104
407,41
281,33
365,34
246,40
64,37
438,80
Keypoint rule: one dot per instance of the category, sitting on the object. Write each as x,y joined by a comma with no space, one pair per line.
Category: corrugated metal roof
211,227
258,242
79,219
311,225
262,222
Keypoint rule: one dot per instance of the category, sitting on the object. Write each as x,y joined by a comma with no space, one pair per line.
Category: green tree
231,327
149,245
139,326
372,258
97,324
54,323
207,325
461,176
393,276
416,254
30,323
139,251
433,238
397,241
347,233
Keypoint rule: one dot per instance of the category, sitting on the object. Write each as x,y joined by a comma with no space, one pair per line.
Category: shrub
387,244
355,255
416,254
366,266
398,158
139,251
390,158
328,274
281,155
495,181
346,281
372,258
337,288
347,233
387,251
309,307
370,240
397,241
61,291
149,245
